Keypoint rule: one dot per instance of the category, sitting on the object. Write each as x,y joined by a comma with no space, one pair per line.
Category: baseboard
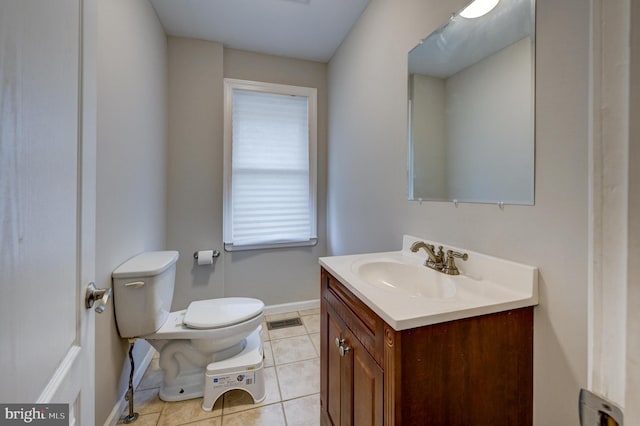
293,306
121,404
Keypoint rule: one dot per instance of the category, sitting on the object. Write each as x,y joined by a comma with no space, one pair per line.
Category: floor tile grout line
281,402
296,361
275,371
310,341
291,337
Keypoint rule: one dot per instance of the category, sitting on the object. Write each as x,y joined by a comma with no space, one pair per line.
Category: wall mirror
471,107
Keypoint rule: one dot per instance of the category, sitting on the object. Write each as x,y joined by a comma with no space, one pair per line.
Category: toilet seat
175,327
216,313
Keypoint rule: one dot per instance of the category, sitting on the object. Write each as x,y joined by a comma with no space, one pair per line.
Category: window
269,165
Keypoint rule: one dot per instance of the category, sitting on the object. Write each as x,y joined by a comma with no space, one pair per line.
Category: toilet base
186,387
243,371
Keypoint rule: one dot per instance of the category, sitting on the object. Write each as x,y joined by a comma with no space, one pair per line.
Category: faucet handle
440,253
450,267
451,254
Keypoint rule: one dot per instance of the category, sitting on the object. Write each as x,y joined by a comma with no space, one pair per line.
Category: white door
47,203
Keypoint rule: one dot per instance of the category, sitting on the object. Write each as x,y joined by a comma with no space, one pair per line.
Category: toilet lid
221,312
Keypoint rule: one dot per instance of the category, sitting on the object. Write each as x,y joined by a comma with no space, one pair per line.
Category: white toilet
207,332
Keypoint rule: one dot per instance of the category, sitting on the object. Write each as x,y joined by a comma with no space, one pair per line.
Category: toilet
192,342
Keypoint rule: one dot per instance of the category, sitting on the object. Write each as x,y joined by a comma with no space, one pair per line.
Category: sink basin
406,294
416,280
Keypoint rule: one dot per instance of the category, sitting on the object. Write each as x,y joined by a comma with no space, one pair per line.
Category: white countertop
486,285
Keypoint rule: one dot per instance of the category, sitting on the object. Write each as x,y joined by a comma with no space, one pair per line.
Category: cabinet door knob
339,342
344,350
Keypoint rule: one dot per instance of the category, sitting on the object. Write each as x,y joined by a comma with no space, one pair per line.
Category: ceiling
462,42
303,29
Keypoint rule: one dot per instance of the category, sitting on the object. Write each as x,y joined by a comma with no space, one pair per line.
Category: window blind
270,185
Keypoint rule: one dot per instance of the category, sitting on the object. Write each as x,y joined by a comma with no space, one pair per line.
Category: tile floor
292,381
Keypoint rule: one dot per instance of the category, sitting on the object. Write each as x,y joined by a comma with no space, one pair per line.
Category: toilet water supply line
132,417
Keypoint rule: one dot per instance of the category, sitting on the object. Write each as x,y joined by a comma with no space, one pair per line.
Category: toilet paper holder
215,253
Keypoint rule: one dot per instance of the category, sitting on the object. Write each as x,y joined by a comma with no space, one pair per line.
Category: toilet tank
143,291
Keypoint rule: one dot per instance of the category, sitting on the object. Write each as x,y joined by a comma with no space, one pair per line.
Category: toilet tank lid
147,264
223,312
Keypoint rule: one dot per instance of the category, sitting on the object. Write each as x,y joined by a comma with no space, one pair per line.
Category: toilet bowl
188,340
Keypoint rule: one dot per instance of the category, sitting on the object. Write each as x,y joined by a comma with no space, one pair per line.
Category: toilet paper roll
205,257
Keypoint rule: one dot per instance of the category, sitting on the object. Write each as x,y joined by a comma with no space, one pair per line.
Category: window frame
311,94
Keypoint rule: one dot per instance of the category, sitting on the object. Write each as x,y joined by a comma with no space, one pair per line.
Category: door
366,377
47,203
354,381
334,369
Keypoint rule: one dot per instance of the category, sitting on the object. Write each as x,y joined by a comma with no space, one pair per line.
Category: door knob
99,295
339,342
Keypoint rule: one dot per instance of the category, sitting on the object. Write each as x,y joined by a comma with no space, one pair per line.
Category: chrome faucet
437,260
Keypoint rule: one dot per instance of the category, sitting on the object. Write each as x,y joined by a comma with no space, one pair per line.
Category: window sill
228,247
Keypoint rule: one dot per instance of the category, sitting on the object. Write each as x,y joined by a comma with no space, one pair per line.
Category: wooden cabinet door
334,370
351,384
365,395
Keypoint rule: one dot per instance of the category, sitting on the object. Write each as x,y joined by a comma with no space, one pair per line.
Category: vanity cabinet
472,371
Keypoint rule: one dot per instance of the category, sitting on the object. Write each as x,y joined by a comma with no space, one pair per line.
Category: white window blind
271,190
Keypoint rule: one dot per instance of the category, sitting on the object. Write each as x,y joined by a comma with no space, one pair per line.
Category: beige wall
367,207
196,72
131,167
194,187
